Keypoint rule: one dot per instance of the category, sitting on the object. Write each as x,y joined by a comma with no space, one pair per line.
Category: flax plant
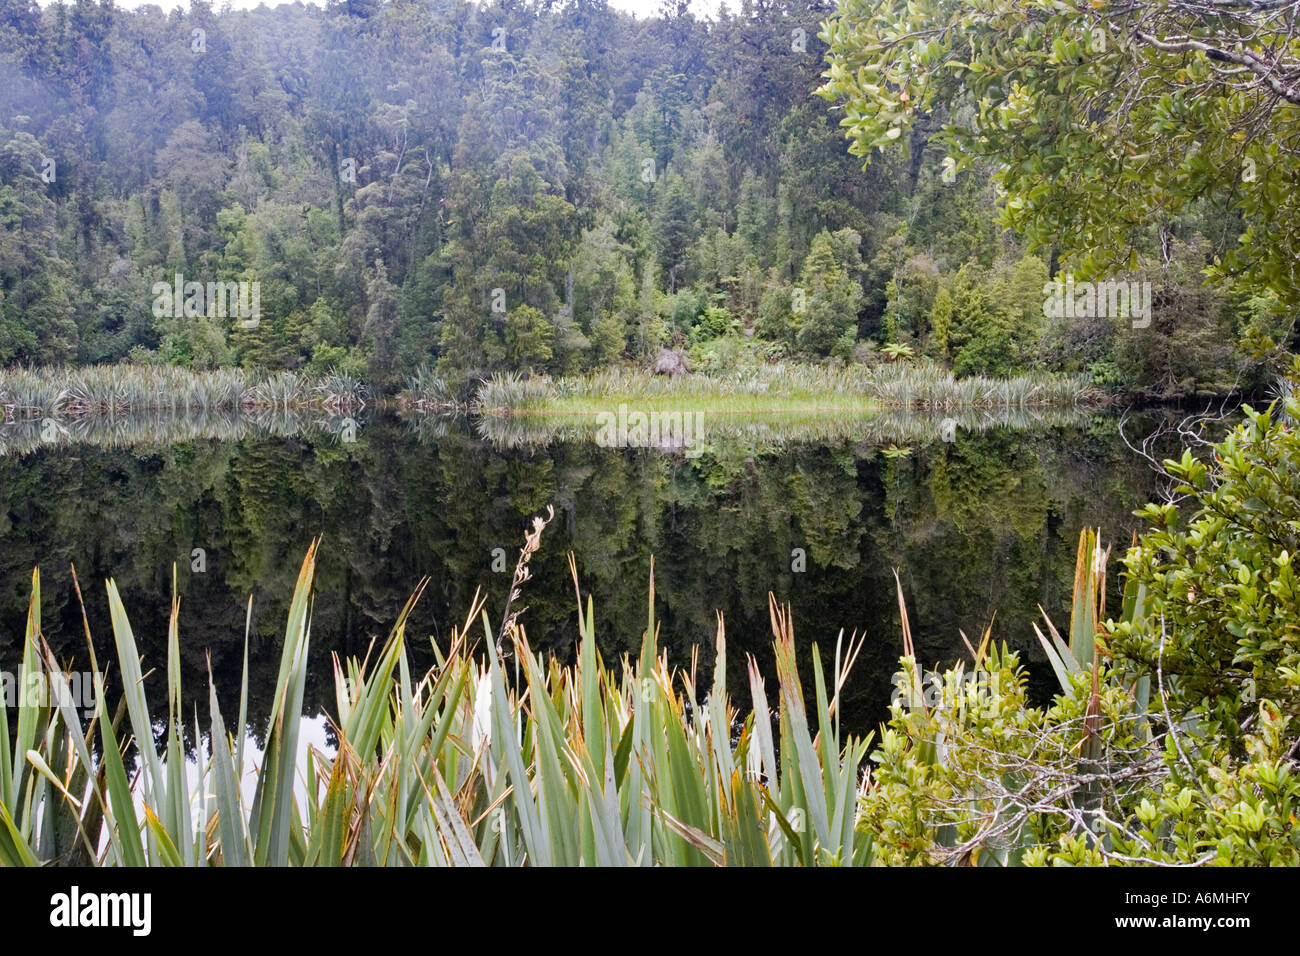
469,764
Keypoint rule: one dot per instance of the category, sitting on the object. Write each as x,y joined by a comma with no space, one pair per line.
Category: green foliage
833,297
109,390
896,352
1190,347
604,299
996,317
388,173
530,338
1180,749
714,322
1098,119
687,307
941,319
1221,585
581,765
776,321
325,358
742,375
34,282
910,297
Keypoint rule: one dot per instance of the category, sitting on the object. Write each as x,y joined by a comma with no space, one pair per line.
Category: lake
817,513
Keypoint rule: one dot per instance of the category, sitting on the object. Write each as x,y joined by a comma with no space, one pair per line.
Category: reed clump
426,391
787,387
106,390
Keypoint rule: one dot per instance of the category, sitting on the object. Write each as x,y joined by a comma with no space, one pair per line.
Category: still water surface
817,514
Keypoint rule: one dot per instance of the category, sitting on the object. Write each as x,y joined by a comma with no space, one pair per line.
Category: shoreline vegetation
104,390
780,388
468,788
777,389
1170,741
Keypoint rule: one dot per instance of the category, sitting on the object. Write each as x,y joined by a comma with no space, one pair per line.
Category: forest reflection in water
818,512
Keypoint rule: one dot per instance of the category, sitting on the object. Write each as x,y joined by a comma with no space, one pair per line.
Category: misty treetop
527,186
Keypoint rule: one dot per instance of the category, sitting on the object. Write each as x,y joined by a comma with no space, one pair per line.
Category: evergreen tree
832,297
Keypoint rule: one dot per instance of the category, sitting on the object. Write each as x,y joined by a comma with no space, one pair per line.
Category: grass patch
779,388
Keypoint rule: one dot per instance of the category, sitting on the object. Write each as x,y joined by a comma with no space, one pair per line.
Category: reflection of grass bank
157,428
735,406
788,389
759,434
118,389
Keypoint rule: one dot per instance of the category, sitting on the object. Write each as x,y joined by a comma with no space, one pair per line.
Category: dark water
988,522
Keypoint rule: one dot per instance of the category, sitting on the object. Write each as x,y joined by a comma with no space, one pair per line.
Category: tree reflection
985,523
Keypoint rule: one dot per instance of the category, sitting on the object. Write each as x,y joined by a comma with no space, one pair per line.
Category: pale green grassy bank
792,389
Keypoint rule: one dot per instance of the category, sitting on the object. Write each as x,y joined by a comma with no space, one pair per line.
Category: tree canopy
1104,120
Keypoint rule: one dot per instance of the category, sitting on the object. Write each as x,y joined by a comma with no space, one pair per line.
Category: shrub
1173,743
1222,588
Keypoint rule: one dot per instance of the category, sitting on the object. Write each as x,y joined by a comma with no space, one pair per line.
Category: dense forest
536,187
915,262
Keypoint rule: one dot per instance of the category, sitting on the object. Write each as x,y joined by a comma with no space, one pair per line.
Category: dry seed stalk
532,541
